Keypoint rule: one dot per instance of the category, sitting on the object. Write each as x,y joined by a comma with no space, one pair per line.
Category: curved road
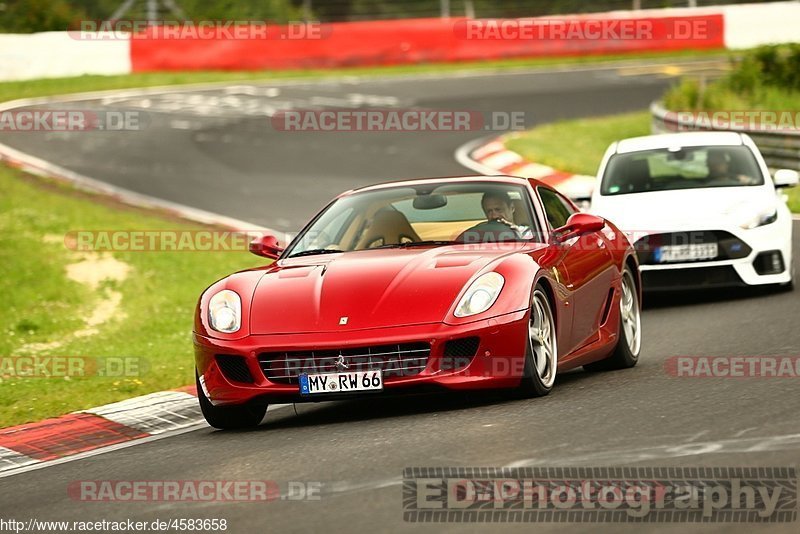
214,149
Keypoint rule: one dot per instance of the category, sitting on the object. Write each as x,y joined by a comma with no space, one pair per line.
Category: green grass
41,304
58,86
577,146
794,199
691,95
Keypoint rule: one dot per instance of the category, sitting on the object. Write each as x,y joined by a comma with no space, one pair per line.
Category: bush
766,78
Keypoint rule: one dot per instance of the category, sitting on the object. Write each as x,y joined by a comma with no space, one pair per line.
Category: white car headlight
480,295
225,311
761,219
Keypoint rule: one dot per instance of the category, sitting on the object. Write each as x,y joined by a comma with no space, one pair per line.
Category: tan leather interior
521,213
387,227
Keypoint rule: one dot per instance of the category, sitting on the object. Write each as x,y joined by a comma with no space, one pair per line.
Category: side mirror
786,178
578,225
266,246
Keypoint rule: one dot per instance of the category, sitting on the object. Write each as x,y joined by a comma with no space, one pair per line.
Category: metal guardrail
781,149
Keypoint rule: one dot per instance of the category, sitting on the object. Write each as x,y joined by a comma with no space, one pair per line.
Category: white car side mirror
786,178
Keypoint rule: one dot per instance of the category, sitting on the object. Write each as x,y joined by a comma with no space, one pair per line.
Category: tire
541,354
229,417
629,339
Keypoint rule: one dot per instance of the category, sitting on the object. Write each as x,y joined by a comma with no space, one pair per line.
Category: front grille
730,247
694,278
398,360
234,368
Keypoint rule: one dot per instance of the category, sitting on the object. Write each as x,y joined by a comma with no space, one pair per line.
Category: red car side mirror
266,246
578,225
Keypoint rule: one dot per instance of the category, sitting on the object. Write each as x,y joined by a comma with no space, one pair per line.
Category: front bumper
765,243
497,363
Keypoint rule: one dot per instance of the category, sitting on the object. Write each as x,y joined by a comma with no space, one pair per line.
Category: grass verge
49,313
58,86
578,146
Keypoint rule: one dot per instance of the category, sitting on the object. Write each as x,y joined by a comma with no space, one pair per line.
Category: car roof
448,179
676,140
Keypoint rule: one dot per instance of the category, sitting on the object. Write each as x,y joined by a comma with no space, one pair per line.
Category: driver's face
494,208
717,166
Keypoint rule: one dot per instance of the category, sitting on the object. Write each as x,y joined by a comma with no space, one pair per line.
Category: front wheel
229,417
541,358
629,340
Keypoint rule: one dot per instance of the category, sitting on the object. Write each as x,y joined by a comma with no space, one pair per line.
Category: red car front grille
398,360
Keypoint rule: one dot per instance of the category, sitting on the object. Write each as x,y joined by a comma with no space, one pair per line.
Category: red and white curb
27,446
492,158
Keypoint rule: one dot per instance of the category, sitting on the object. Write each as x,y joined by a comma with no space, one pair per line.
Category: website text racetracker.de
125,525
688,494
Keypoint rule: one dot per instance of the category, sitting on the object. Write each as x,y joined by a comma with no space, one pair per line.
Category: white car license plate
676,253
341,382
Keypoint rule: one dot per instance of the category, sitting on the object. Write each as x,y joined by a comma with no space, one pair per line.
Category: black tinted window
555,209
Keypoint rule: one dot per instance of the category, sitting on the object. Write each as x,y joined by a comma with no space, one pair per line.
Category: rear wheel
229,417
629,340
541,358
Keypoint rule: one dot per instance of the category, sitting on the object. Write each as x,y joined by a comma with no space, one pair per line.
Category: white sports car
700,208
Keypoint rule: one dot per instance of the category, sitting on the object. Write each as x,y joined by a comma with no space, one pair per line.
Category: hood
688,209
370,288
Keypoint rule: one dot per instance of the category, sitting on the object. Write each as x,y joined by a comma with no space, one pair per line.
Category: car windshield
681,168
423,215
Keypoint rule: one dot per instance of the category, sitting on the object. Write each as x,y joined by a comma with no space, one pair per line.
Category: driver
498,207
719,170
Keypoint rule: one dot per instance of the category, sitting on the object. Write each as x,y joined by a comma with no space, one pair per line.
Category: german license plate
676,253
341,382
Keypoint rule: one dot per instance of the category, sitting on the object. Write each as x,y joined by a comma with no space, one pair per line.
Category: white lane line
13,460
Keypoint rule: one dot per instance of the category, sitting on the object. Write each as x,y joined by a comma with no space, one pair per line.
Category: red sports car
451,283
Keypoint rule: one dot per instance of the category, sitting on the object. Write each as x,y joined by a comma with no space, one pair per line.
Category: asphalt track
201,152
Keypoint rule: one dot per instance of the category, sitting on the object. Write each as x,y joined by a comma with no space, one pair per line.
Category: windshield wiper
315,251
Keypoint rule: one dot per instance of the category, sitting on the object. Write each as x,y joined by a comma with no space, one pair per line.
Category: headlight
480,295
761,219
225,311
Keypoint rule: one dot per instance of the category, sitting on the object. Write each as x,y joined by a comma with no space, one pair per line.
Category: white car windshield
427,214
682,168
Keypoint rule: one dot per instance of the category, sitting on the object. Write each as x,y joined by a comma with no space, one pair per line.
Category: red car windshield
429,214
